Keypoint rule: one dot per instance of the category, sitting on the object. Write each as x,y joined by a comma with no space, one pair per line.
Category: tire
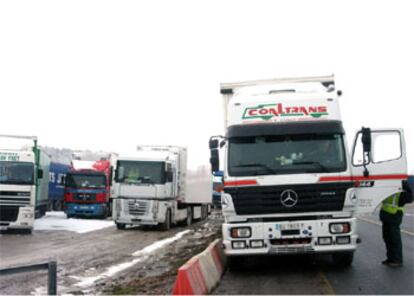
105,213
58,205
167,223
235,263
189,219
343,259
204,212
50,205
120,226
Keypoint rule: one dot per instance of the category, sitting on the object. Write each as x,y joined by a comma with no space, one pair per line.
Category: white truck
24,182
154,186
290,183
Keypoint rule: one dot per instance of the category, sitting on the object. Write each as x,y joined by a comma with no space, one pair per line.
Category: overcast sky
109,75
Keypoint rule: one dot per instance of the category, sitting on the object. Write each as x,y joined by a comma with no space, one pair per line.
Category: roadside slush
158,273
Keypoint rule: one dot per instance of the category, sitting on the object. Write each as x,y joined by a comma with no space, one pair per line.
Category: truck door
379,168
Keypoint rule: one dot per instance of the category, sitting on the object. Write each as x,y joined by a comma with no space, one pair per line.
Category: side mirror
366,139
213,143
366,147
214,160
39,173
111,175
169,176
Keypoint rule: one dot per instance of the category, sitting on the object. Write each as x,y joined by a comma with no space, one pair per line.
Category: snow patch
158,245
144,253
59,221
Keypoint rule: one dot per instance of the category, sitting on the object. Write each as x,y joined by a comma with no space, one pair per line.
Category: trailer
57,174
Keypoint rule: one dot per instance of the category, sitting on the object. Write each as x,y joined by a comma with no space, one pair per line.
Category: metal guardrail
50,266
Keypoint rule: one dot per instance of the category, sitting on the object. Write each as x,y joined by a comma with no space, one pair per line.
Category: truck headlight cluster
339,228
240,232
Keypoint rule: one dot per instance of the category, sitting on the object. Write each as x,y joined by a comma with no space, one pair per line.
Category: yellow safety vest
390,204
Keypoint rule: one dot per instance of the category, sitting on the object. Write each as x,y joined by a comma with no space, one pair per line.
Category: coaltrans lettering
268,111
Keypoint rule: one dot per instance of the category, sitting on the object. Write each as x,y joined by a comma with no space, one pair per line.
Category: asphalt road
78,255
316,275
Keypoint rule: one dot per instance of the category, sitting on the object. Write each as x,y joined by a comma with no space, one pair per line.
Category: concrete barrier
202,273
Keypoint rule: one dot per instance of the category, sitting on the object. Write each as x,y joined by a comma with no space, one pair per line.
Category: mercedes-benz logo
289,198
137,205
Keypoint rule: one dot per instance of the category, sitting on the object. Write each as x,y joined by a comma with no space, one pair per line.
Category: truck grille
81,196
137,208
14,198
8,213
255,200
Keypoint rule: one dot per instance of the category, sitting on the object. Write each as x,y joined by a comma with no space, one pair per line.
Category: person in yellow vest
391,216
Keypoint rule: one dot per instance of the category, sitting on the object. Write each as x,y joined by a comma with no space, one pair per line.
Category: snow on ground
143,254
59,221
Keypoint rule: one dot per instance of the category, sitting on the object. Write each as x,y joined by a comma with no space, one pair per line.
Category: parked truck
24,176
156,186
87,189
290,183
57,174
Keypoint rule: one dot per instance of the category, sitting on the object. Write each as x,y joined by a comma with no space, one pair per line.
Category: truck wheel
204,212
120,226
235,263
343,259
50,205
189,219
58,205
167,223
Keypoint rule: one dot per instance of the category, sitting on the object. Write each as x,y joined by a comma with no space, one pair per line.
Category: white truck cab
290,183
24,177
154,186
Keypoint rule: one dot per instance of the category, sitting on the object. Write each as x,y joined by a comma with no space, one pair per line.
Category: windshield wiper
315,163
260,165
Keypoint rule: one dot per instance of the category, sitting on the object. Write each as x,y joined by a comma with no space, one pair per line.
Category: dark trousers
392,235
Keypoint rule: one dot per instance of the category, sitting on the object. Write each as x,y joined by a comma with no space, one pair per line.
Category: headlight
238,245
339,228
325,241
342,240
256,244
240,232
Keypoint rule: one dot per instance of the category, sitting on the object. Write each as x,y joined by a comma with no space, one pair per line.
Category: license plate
84,207
288,226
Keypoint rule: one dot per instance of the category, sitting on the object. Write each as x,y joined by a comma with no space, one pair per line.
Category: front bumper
24,219
87,210
302,237
135,212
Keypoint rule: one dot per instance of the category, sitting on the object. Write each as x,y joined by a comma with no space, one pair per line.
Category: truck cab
23,182
153,186
87,189
291,185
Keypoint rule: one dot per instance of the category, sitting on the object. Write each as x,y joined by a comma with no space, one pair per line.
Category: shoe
385,262
393,264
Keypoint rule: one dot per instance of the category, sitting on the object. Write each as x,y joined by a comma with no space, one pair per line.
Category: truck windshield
14,172
149,172
84,180
286,154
